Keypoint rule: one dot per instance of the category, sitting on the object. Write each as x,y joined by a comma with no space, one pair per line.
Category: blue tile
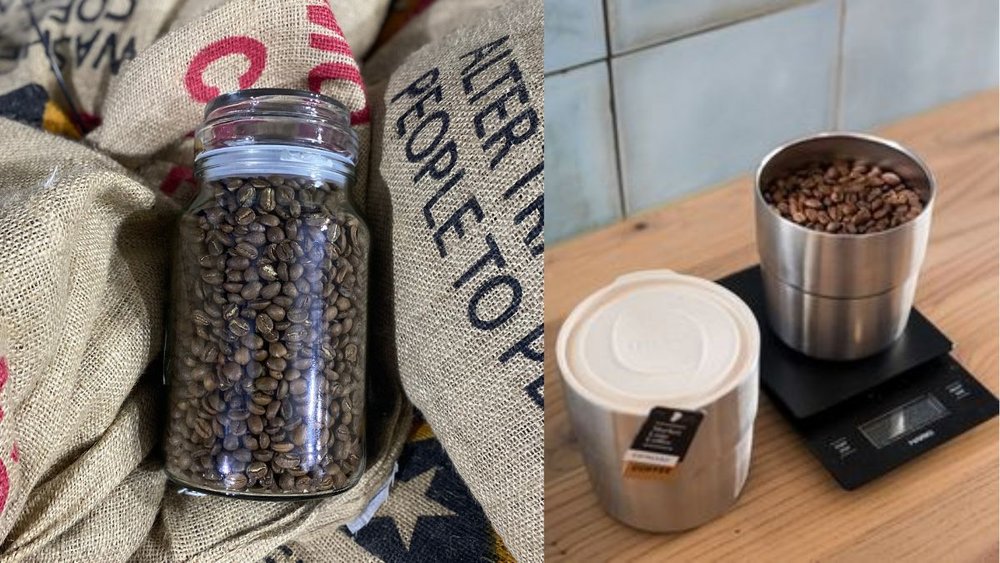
905,56
581,178
638,23
700,110
574,33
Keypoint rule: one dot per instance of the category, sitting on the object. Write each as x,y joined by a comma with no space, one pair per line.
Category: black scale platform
865,417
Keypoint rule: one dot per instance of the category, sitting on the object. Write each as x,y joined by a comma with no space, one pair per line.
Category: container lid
658,338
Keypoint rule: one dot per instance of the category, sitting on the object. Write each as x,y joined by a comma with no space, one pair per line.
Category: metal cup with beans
266,348
842,222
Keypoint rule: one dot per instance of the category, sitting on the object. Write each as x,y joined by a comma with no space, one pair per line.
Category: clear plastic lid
657,338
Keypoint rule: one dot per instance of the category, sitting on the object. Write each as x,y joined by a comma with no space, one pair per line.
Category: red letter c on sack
252,49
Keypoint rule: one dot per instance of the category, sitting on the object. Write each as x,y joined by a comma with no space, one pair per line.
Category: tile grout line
684,35
694,32
622,196
838,67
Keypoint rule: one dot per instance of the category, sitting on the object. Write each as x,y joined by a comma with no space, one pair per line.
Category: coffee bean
298,387
285,461
244,216
268,273
277,350
231,442
267,384
296,333
283,447
843,197
257,469
255,424
276,364
272,408
213,277
232,371
251,290
235,481
264,323
245,249
239,327
299,435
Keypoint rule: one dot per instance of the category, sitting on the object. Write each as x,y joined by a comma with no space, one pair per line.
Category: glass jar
266,351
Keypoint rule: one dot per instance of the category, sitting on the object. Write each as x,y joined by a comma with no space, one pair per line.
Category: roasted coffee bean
239,327
272,408
266,384
244,216
844,197
283,447
264,323
232,371
231,442
276,326
270,290
235,481
285,461
298,387
257,469
246,250
255,424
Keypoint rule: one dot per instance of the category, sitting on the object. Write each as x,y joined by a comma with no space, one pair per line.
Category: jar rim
249,94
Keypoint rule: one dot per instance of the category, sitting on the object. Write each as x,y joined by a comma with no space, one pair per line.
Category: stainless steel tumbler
840,296
660,374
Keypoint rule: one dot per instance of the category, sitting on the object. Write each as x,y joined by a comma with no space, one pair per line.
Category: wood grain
940,507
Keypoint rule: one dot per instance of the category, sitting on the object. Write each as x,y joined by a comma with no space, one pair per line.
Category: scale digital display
903,421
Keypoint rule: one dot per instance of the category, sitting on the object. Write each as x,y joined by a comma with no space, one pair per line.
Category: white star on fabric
402,512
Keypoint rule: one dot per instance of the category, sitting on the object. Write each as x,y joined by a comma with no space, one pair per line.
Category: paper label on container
661,443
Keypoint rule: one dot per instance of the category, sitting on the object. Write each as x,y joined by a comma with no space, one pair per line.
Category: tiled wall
649,100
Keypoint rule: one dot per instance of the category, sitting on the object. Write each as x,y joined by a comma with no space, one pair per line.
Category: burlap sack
457,166
82,308
83,293
94,40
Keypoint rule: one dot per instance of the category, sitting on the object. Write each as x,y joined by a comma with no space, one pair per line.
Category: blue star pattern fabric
430,515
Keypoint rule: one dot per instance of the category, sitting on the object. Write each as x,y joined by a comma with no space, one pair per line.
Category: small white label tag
662,460
380,497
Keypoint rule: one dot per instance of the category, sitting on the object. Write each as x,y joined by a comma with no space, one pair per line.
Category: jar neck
275,160
276,131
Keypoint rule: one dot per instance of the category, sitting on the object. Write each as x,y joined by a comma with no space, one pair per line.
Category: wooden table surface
942,506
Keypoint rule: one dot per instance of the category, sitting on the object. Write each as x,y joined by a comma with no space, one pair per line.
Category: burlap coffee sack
360,20
94,41
433,23
239,44
458,162
82,308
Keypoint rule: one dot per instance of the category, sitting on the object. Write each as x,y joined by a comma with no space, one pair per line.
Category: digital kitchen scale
863,418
